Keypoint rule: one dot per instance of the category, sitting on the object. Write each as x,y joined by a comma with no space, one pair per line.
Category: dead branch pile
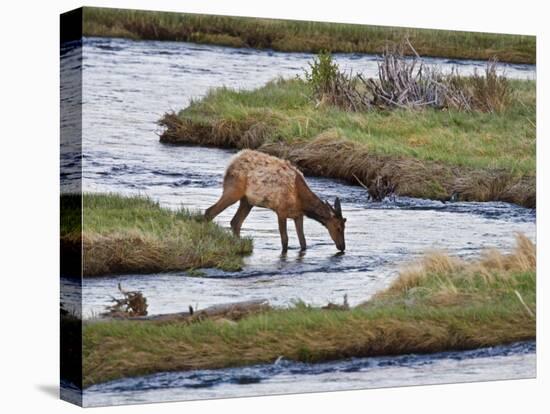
380,188
332,86
406,82
342,91
335,306
132,304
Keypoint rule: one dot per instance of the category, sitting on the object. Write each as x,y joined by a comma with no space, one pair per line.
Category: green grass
440,304
302,36
458,138
135,235
429,153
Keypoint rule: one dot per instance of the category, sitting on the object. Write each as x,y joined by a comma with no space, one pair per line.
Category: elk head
336,224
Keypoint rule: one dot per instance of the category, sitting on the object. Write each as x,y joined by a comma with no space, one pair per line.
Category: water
378,240
508,362
128,86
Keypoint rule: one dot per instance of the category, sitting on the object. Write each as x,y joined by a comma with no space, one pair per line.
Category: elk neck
312,206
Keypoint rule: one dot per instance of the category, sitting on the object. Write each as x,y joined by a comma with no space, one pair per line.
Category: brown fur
261,180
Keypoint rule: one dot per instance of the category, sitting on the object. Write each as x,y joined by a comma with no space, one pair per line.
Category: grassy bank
439,304
428,153
302,36
135,235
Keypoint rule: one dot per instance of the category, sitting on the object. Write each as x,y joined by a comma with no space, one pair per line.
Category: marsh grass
440,304
491,92
302,36
481,156
135,235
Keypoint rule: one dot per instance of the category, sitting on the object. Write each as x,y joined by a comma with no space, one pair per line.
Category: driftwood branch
132,304
379,189
228,312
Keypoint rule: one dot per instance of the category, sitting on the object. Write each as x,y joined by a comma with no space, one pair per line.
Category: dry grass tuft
492,92
449,272
523,258
416,274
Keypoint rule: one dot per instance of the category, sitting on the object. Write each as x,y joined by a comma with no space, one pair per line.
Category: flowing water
509,362
128,85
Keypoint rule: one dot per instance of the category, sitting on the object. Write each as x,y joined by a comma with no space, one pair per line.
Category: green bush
324,72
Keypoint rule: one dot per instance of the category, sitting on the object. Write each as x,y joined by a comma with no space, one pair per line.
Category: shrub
324,72
329,85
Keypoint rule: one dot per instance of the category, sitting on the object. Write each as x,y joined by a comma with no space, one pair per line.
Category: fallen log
228,311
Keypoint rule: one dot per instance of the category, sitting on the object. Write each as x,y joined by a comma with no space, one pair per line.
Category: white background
29,140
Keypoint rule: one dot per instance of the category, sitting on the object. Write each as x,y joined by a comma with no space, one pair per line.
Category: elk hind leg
231,194
240,216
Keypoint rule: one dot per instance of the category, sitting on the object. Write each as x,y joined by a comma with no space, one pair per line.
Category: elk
257,179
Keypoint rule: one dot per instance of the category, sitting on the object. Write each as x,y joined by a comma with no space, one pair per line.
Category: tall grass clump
444,280
492,92
134,234
441,304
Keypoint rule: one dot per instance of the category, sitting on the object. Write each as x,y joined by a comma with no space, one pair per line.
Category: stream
504,362
128,85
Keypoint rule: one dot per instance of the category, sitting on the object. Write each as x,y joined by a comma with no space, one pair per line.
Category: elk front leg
284,234
299,223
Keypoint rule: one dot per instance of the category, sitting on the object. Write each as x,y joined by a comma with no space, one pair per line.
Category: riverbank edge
294,36
107,234
439,304
337,157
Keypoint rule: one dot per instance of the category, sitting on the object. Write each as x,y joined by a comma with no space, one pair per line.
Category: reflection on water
128,85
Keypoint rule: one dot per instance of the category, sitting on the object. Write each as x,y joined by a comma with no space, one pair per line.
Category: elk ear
337,208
